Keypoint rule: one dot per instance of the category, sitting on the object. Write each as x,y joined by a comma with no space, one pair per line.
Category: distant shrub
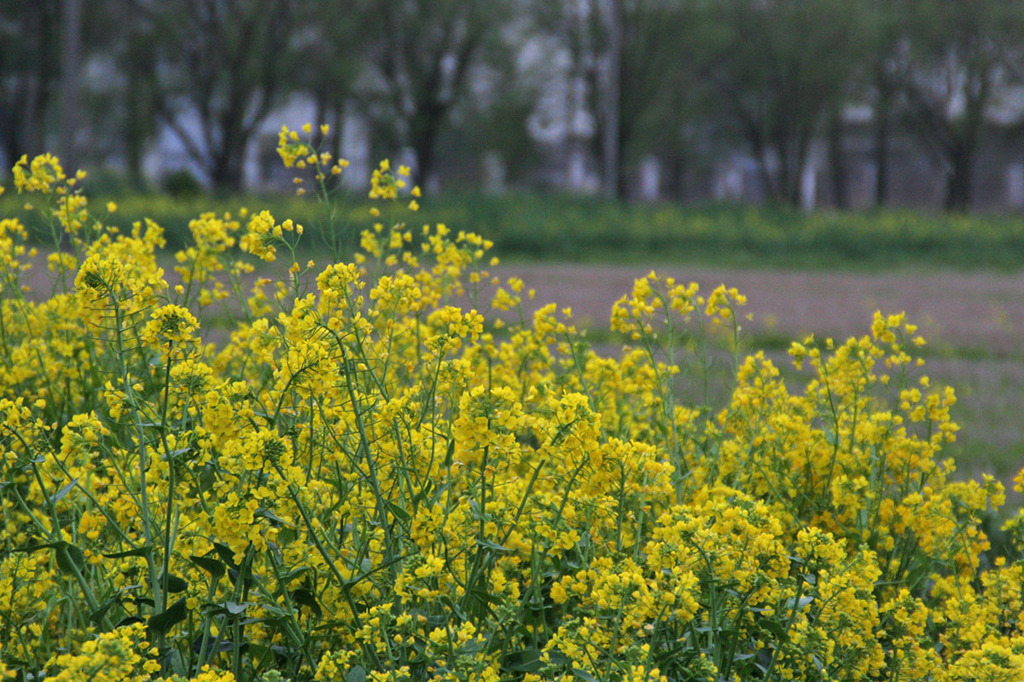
181,184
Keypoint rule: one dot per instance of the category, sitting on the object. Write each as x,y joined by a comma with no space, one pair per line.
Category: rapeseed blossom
369,477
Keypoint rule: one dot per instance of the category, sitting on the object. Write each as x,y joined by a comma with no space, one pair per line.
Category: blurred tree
631,60
566,33
221,67
30,67
488,134
659,96
878,83
778,67
71,81
330,46
423,54
612,16
630,81
59,84
958,58
131,30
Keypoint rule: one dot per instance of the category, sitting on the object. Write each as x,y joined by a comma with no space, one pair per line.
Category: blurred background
799,103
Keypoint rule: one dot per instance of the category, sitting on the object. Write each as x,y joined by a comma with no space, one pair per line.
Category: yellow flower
170,324
39,175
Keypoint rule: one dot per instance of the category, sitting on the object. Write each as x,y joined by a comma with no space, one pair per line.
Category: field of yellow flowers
371,479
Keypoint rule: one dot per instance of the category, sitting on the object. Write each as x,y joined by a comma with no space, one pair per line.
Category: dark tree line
654,78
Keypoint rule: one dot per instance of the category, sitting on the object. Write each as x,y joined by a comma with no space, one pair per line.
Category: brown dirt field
973,322
979,311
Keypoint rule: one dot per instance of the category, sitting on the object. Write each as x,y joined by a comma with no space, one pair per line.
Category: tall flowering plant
383,468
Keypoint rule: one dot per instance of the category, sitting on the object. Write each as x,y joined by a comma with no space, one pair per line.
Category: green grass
561,227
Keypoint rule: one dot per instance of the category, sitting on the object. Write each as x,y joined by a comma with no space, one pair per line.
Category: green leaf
174,583
356,674
286,536
294,573
270,516
161,623
234,608
489,544
228,607
175,454
212,566
139,551
62,493
428,485
525,660
304,597
226,554
69,558
35,548
97,616
399,513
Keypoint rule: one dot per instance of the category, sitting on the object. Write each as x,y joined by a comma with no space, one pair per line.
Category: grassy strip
574,228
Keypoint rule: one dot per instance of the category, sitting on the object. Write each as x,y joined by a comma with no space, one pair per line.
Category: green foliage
181,184
562,227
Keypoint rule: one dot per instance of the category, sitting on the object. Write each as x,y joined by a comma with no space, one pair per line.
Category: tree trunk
71,58
138,125
960,181
426,173
338,130
139,66
676,175
837,161
791,166
768,180
10,137
423,132
226,176
226,173
611,15
760,152
883,122
794,182
37,83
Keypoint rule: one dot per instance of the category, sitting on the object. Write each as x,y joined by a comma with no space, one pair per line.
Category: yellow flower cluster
113,656
367,479
386,185
301,155
40,175
199,263
262,234
169,324
13,253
